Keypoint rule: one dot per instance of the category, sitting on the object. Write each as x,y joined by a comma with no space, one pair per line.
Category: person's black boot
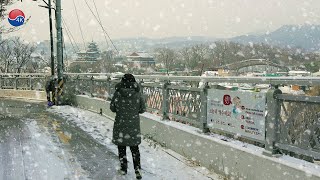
136,161
123,166
122,172
138,173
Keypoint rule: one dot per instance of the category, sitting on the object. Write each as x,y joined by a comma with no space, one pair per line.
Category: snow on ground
157,162
45,159
162,165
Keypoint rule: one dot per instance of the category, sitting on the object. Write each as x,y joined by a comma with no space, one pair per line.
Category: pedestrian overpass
282,124
264,64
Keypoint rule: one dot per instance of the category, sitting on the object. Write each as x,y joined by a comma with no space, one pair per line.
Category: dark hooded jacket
50,85
127,103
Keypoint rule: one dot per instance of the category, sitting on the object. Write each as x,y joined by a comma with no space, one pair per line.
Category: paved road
35,144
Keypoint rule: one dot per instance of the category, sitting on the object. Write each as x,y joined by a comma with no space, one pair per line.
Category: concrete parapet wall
235,162
26,94
94,104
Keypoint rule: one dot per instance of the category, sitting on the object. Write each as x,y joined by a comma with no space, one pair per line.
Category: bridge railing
20,81
299,125
292,122
95,85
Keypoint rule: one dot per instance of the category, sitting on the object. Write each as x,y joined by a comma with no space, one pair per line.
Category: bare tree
200,54
166,56
22,53
219,52
186,54
106,64
6,59
196,57
3,4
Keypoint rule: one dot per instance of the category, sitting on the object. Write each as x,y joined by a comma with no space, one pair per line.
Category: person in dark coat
127,103
50,87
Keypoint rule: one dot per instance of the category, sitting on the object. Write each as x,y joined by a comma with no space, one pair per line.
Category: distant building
299,73
120,59
140,60
316,74
91,54
87,61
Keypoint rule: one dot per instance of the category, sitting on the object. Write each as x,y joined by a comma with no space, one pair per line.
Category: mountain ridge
299,36
305,37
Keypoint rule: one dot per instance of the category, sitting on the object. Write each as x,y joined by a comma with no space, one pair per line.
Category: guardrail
292,121
298,124
33,81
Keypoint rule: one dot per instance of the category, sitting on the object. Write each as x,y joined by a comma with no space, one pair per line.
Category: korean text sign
237,112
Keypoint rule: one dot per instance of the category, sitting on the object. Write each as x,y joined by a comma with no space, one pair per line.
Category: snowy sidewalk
157,162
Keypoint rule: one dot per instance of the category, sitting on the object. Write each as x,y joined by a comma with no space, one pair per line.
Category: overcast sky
166,18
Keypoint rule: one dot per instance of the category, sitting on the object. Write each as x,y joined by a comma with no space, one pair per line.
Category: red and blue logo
16,17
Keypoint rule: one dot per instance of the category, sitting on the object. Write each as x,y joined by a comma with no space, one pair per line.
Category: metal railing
299,125
32,81
292,121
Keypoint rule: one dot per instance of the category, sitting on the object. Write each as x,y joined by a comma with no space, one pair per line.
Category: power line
99,21
68,29
69,33
74,4
69,38
104,34
72,44
101,26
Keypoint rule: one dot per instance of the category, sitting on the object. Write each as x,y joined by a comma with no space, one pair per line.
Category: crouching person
127,103
50,87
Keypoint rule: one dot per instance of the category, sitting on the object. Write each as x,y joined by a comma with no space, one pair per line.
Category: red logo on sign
226,100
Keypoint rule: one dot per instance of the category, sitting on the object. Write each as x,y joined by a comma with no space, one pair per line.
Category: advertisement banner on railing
237,112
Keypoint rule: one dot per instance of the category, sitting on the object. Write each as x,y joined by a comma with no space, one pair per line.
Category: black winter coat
50,85
127,103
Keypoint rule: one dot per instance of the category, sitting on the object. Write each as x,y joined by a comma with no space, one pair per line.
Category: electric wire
101,26
104,34
73,47
100,23
72,44
70,36
68,29
74,4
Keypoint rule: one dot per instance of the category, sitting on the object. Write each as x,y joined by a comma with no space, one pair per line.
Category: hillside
306,37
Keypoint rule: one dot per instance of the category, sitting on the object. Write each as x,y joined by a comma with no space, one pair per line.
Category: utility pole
51,34
59,51
51,39
63,48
